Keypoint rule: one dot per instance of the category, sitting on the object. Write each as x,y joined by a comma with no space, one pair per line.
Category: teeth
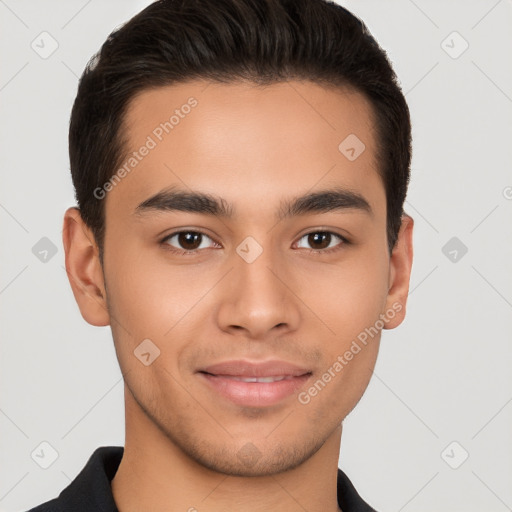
259,379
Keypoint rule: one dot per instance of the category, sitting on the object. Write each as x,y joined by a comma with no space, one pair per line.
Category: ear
399,275
83,268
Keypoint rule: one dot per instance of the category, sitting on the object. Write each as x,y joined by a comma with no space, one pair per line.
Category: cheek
151,299
349,305
349,296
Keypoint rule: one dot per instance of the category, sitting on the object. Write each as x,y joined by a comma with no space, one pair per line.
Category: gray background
443,376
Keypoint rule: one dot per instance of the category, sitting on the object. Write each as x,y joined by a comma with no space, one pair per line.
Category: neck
155,474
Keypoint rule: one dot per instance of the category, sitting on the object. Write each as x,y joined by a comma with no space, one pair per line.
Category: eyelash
184,252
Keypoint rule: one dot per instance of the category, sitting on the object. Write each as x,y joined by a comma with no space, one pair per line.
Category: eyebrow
323,201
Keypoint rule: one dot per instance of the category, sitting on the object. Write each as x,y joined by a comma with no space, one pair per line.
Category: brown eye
319,240
323,241
186,240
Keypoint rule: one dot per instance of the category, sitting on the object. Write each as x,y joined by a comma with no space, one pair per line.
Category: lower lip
255,394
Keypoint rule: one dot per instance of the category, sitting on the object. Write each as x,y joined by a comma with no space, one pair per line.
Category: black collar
90,491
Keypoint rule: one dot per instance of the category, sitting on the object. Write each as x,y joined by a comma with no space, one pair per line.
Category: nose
258,299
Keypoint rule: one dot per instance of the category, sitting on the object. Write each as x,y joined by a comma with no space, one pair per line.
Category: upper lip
241,368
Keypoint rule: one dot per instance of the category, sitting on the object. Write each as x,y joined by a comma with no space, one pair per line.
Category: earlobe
83,269
399,275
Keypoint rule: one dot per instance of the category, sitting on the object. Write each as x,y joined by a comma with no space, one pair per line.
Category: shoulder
349,499
90,491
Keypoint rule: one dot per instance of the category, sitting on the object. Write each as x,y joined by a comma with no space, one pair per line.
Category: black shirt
90,491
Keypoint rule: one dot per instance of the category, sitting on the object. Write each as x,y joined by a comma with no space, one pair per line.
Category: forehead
239,140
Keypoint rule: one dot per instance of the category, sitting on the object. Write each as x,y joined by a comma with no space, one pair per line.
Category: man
240,169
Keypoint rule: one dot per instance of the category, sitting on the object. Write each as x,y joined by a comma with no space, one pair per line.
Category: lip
244,368
280,380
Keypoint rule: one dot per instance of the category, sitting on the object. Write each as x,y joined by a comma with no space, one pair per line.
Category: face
261,311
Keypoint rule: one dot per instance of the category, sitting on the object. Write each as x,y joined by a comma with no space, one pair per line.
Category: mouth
275,378
254,384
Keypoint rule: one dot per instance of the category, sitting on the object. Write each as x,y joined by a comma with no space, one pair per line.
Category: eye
189,242
185,242
324,241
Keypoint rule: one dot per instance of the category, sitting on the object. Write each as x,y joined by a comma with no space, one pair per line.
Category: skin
254,147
